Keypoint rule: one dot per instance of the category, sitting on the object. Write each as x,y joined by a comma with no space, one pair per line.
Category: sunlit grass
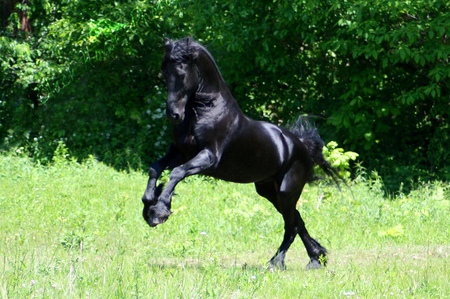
75,231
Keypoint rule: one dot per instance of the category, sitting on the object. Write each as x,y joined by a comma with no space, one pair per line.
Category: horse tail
309,136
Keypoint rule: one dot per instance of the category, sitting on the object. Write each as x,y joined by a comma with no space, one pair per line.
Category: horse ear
188,40
168,44
193,50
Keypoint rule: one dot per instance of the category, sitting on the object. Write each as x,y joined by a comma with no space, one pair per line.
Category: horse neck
211,81
213,86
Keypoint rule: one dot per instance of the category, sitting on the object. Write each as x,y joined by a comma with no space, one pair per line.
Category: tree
377,72
92,68
374,74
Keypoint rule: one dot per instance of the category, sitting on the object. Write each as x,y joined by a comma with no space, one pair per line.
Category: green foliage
61,154
378,73
88,76
72,230
339,158
393,105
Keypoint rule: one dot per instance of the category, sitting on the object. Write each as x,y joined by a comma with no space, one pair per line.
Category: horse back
258,151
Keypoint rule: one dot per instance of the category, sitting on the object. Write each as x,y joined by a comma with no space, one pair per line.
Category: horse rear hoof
314,264
276,265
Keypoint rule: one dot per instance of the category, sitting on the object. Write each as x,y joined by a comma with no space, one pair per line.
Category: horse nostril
174,117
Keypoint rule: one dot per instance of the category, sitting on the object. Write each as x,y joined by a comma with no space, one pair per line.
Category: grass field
75,231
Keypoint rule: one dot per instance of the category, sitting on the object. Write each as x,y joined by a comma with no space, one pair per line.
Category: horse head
182,78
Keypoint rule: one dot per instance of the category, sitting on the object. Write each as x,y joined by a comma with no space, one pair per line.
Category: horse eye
181,72
181,69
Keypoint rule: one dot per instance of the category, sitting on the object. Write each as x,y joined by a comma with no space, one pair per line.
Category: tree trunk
8,8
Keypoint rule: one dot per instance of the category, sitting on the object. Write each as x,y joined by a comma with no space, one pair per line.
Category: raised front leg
170,160
159,212
151,194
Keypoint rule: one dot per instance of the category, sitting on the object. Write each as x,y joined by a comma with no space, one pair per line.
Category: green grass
75,231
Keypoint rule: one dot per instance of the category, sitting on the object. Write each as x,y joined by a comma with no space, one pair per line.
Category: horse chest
191,140
187,141
186,144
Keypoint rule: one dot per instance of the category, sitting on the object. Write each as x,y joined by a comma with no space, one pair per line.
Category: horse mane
178,50
186,49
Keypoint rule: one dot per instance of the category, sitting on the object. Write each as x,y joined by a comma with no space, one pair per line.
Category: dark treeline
375,75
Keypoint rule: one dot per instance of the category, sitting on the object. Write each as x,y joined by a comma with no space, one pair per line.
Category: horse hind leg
290,232
294,225
285,198
316,252
289,193
270,191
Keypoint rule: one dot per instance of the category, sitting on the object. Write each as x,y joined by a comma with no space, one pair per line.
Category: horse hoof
314,264
273,266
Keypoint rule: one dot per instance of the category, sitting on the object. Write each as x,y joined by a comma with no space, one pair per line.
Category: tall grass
74,230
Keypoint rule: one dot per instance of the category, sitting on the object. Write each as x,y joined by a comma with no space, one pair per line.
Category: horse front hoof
156,215
156,222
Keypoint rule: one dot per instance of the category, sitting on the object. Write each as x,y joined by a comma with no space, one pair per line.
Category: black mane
182,50
187,49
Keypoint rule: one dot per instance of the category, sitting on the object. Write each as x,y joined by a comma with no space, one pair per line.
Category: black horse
211,136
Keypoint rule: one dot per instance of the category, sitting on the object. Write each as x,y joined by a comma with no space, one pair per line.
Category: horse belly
247,166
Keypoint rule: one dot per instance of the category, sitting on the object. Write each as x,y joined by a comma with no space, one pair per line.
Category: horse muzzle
175,108
174,118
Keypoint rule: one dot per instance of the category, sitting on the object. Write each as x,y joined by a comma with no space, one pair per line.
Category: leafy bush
87,74
339,158
377,72
88,79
